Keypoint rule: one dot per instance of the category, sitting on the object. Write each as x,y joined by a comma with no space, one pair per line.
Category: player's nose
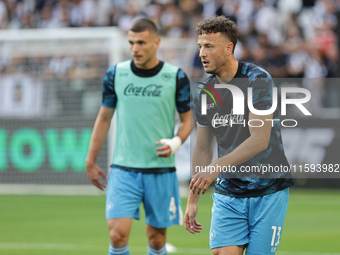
202,53
135,48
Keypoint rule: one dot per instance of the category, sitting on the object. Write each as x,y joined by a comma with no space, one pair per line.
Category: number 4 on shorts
172,207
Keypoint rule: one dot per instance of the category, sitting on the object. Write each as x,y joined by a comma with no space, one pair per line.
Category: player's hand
93,171
201,181
190,222
164,151
169,146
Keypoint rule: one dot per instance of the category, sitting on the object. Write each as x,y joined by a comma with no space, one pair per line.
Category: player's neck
148,65
228,73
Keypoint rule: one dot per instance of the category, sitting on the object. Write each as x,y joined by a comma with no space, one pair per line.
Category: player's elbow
262,143
264,146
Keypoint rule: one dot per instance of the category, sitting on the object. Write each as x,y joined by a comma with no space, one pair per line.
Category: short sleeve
182,92
109,99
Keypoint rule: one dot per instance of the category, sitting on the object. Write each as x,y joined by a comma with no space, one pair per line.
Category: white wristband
174,143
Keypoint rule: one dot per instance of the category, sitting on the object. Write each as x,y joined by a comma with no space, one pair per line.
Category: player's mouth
205,63
137,57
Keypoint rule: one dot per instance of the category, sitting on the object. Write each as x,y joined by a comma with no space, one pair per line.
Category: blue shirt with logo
232,129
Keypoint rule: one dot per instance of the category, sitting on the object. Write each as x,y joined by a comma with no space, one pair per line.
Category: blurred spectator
82,13
127,19
61,13
168,16
3,15
266,22
277,63
59,66
260,56
210,7
315,72
103,13
46,20
296,56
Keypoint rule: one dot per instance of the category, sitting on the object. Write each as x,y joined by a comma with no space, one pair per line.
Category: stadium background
53,55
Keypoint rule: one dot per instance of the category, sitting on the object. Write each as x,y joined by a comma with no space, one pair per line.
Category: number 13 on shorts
276,237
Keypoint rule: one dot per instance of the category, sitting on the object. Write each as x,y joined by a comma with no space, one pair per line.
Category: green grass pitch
75,225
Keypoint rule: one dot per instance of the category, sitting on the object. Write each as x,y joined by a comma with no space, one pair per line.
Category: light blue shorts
256,222
158,192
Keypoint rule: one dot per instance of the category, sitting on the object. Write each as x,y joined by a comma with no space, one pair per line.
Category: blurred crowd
282,35
289,38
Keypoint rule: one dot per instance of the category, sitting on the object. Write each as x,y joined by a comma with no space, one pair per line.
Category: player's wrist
174,143
193,198
90,162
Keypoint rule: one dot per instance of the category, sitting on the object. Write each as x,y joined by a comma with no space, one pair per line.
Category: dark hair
221,24
142,25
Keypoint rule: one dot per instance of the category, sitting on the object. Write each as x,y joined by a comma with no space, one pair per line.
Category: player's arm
99,133
253,145
171,145
202,156
101,128
184,127
183,107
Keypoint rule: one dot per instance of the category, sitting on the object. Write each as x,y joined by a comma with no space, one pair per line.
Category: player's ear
157,42
229,48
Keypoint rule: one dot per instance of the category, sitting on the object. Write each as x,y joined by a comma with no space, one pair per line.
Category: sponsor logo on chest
226,120
151,90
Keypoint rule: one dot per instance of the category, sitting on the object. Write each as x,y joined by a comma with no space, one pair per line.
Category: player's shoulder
253,71
208,81
210,78
109,76
169,65
124,64
170,68
111,70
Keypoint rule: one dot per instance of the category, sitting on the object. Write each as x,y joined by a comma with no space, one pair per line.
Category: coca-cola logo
151,90
226,120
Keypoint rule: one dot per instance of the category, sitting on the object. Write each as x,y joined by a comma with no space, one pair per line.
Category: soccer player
145,93
248,211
